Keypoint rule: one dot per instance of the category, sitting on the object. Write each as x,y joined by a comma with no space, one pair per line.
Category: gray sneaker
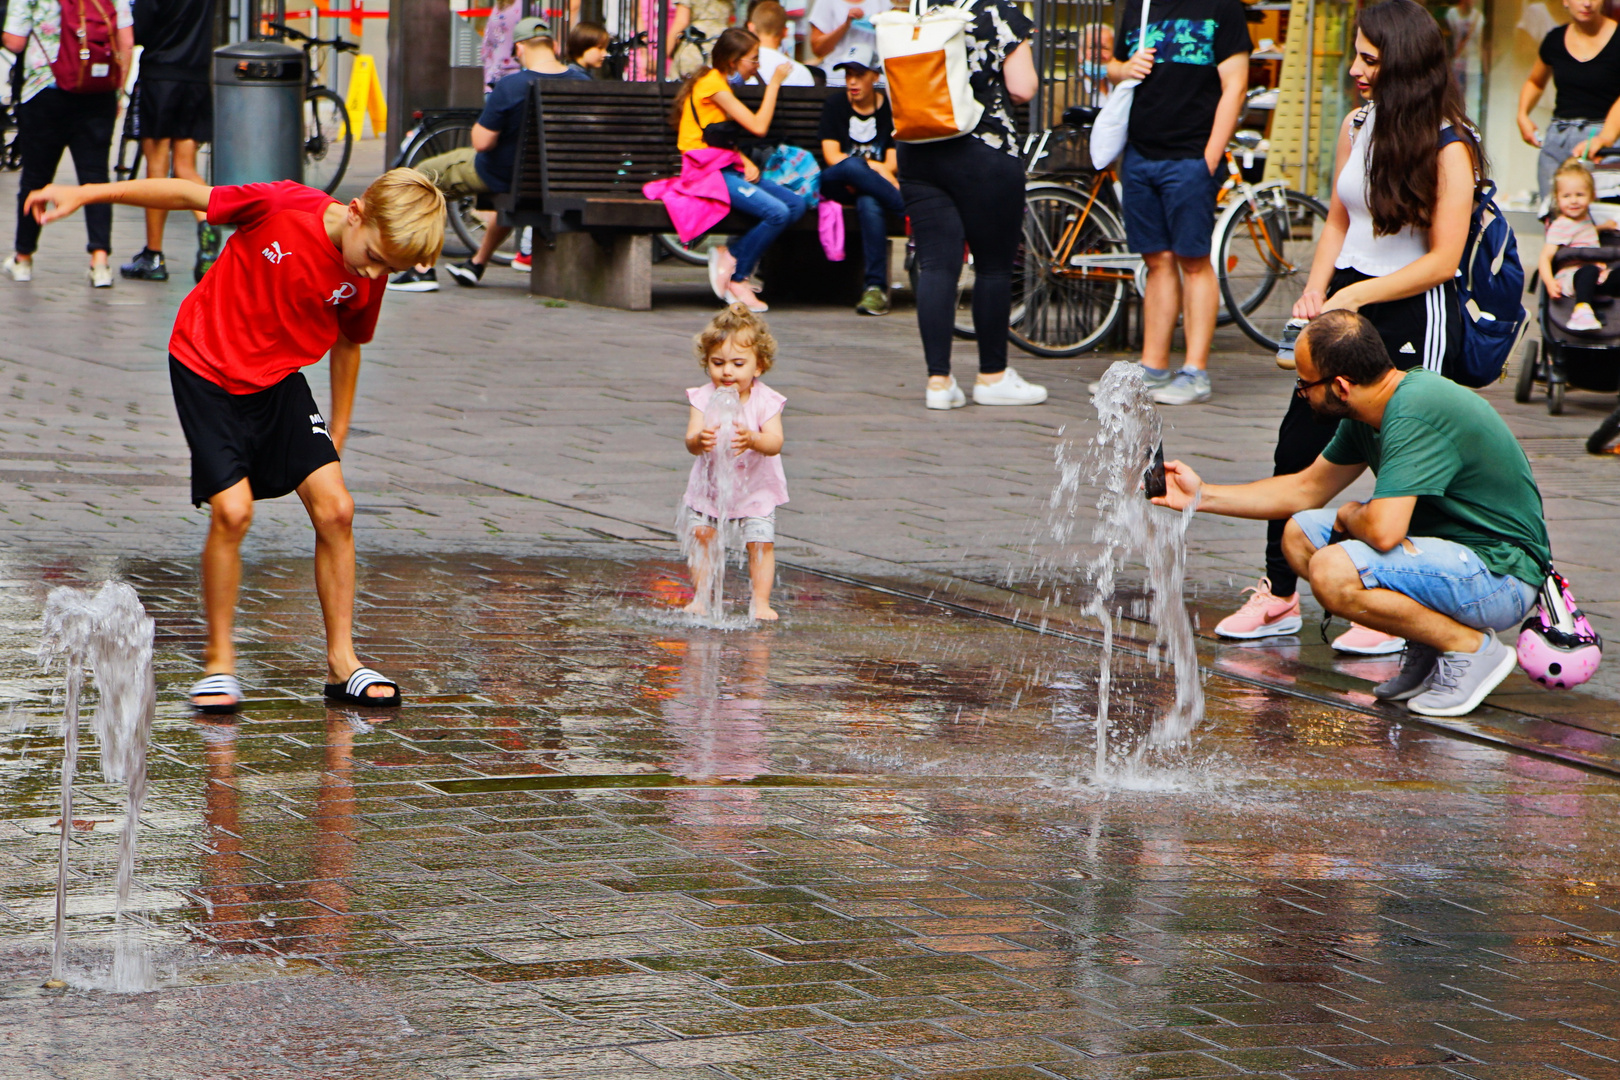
874,301
1462,680
1153,378
1187,388
1417,664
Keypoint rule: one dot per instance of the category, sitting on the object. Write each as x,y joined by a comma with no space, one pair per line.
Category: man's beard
1333,406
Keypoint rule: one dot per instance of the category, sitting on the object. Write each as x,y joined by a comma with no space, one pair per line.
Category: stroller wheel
1604,435
1527,373
1555,397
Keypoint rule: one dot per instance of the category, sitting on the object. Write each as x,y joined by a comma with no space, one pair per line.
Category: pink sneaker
1262,615
1368,642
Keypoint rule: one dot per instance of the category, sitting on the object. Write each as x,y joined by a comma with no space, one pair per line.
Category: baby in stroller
1573,227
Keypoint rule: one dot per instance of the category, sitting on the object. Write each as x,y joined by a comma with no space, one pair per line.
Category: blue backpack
1490,288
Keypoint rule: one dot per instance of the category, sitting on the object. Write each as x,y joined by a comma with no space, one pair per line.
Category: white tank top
1372,255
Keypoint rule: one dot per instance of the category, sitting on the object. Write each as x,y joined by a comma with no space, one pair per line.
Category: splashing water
716,478
1128,432
111,632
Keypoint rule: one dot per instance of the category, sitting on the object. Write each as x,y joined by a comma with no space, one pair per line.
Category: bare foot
696,607
764,613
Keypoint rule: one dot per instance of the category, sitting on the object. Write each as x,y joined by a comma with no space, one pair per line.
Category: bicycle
328,135
1069,290
438,131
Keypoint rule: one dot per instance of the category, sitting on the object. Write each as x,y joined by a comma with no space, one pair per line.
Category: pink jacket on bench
697,199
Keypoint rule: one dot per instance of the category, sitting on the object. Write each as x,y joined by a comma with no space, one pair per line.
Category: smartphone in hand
1153,479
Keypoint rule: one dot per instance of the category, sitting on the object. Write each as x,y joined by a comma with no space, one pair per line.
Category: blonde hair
1572,167
409,214
768,17
749,330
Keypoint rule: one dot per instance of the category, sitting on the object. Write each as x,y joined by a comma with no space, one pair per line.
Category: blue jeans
774,205
1443,575
875,200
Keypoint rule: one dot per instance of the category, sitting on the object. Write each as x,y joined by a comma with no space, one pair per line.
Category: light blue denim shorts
1443,575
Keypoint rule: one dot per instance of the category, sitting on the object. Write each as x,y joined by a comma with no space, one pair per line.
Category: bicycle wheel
1264,259
695,253
328,140
1071,273
466,221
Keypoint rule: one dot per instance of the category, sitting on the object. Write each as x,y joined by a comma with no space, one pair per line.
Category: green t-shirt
1447,445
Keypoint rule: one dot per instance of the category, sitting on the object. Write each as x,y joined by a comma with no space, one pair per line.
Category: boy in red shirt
302,275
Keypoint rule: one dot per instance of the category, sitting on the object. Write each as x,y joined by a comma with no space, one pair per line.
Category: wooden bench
585,150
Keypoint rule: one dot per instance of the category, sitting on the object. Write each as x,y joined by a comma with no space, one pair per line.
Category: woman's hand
750,171
1181,487
1309,304
1140,66
1346,299
780,75
1528,132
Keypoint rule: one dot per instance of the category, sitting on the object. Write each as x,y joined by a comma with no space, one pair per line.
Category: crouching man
1451,547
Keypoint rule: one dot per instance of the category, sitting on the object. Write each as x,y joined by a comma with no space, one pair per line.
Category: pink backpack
85,61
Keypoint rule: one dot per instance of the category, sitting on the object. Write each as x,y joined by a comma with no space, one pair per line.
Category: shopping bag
1108,131
925,62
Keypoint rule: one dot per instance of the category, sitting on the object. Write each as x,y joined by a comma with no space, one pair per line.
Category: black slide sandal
353,690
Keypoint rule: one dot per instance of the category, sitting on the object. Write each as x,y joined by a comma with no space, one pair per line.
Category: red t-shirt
279,294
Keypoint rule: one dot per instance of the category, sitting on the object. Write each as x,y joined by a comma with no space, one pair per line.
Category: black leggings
48,123
1588,288
957,191
1413,329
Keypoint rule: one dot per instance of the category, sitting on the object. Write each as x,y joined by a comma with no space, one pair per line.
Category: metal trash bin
258,113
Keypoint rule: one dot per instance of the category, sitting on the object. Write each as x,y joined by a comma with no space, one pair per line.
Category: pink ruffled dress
760,478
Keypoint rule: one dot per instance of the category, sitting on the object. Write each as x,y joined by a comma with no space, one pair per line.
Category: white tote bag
1108,131
925,63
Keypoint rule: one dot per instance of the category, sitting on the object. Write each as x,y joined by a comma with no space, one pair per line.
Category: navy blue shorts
1169,205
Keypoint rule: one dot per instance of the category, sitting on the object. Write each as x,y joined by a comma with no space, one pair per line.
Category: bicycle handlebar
314,42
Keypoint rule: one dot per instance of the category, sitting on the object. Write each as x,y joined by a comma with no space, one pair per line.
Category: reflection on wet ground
599,843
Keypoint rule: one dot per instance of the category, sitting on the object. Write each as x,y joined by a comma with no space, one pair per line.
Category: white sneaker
1011,389
101,277
949,398
19,270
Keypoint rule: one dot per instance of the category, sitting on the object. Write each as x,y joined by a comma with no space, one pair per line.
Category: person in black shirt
1584,57
1194,69
173,108
857,143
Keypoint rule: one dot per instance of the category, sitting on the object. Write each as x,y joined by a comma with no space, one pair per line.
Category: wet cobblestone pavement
600,843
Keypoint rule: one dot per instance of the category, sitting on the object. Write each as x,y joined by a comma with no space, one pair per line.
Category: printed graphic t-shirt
1446,445
279,295
1174,108
868,137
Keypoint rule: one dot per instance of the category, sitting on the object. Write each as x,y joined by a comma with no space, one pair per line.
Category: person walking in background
1194,68
709,18
706,100
174,114
970,190
78,117
496,52
1403,195
842,23
1584,57
1465,22
857,143
767,20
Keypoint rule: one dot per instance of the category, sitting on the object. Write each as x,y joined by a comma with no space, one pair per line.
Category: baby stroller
1565,358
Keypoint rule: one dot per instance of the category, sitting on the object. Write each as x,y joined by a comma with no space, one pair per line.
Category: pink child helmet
1557,646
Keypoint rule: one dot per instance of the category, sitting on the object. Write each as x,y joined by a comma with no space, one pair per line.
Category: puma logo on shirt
274,252
341,293
317,424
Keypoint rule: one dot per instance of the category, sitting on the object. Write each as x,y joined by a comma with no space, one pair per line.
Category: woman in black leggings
970,189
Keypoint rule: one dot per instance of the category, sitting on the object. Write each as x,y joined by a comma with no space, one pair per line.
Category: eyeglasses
1300,385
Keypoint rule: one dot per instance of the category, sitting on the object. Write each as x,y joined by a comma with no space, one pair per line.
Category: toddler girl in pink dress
735,349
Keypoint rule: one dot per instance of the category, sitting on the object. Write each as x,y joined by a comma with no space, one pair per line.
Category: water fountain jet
111,633
718,485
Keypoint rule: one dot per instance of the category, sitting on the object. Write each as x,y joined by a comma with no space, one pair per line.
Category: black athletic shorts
1419,331
274,437
171,109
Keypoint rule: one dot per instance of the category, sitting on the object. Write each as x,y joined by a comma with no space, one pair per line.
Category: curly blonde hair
1572,167
737,322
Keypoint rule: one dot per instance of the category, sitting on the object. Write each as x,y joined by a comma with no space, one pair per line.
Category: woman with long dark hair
705,100
1403,194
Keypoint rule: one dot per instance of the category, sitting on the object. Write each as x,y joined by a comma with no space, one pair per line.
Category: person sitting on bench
486,166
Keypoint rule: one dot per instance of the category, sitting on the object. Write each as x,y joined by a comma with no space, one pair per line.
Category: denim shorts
1169,205
1443,575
